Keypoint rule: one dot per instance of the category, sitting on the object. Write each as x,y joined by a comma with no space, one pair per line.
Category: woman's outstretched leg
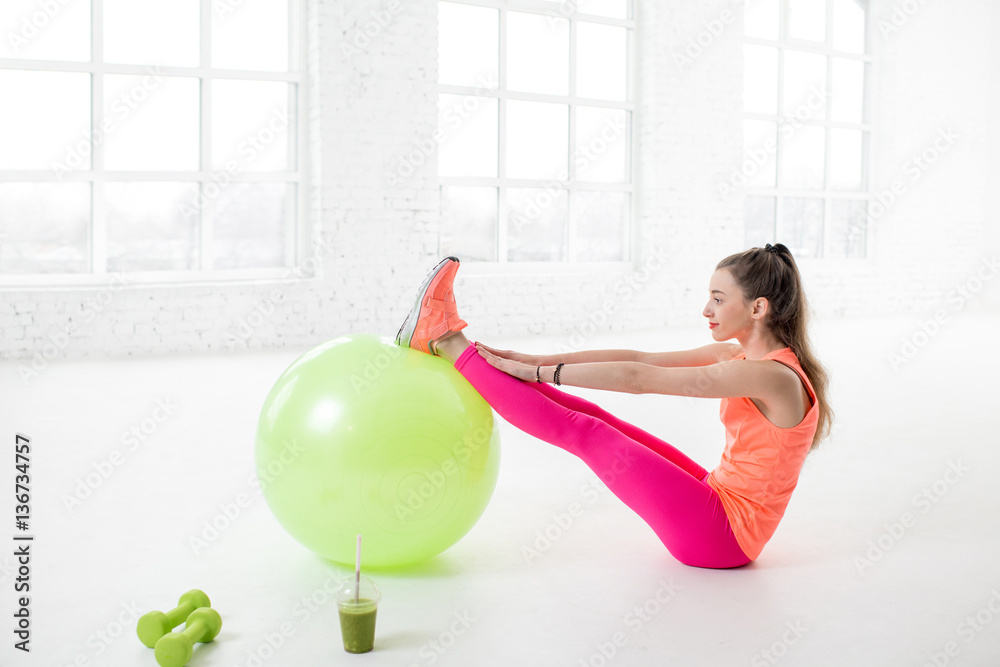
684,512
452,347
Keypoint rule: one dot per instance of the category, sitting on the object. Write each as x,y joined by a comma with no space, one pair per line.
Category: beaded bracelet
556,376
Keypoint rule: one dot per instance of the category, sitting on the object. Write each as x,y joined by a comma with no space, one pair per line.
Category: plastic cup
357,607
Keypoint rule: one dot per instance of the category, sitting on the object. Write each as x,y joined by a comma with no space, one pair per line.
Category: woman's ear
760,306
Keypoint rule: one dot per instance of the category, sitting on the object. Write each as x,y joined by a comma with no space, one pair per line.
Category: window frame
97,176
572,101
866,126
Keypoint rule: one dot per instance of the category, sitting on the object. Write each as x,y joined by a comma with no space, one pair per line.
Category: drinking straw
357,571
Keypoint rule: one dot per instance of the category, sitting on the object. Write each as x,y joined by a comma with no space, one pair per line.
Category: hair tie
770,248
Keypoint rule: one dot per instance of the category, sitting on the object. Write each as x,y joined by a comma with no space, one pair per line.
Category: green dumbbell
156,624
176,649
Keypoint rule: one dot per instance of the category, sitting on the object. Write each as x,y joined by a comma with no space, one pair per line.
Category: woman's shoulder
731,351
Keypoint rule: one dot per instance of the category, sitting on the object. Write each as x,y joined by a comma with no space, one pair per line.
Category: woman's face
727,312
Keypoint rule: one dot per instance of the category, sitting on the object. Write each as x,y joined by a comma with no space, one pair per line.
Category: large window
535,130
149,137
806,126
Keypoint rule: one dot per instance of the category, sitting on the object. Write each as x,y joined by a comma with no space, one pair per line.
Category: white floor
843,582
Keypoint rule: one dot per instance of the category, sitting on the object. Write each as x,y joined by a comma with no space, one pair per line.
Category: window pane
600,223
758,218
602,138
468,45
536,224
152,32
760,79
849,20
152,226
847,97
759,149
848,225
805,79
251,125
600,61
537,143
802,158
468,130
469,223
616,9
44,227
761,19
155,120
537,53
48,127
31,32
802,226
846,161
250,220
807,20
250,34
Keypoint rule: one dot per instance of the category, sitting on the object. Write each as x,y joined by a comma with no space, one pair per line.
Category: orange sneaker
435,313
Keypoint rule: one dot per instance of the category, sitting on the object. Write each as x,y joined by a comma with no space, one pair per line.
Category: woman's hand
530,359
518,369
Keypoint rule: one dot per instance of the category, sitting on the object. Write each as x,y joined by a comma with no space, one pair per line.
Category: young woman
773,393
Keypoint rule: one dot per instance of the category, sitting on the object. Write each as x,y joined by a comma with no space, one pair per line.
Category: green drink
357,602
357,625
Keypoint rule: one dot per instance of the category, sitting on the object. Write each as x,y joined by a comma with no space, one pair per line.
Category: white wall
375,241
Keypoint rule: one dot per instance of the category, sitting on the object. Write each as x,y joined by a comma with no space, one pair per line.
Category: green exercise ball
361,436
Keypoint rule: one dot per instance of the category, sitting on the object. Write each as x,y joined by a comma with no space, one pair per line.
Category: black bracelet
538,375
555,377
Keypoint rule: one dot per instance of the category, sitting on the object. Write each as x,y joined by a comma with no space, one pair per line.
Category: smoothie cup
357,607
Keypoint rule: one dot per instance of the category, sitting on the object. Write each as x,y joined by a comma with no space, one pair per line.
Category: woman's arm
701,356
753,379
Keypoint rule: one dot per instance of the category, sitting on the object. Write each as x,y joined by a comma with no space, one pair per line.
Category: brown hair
771,273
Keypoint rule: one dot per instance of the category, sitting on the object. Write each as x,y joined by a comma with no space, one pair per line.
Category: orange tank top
761,463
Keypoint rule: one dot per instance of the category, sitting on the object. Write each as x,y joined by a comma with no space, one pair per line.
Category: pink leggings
659,483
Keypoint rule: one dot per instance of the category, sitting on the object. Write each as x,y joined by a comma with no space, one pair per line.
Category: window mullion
99,227
502,140
205,217
571,246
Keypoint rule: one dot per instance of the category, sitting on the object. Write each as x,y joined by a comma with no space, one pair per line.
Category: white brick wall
374,99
